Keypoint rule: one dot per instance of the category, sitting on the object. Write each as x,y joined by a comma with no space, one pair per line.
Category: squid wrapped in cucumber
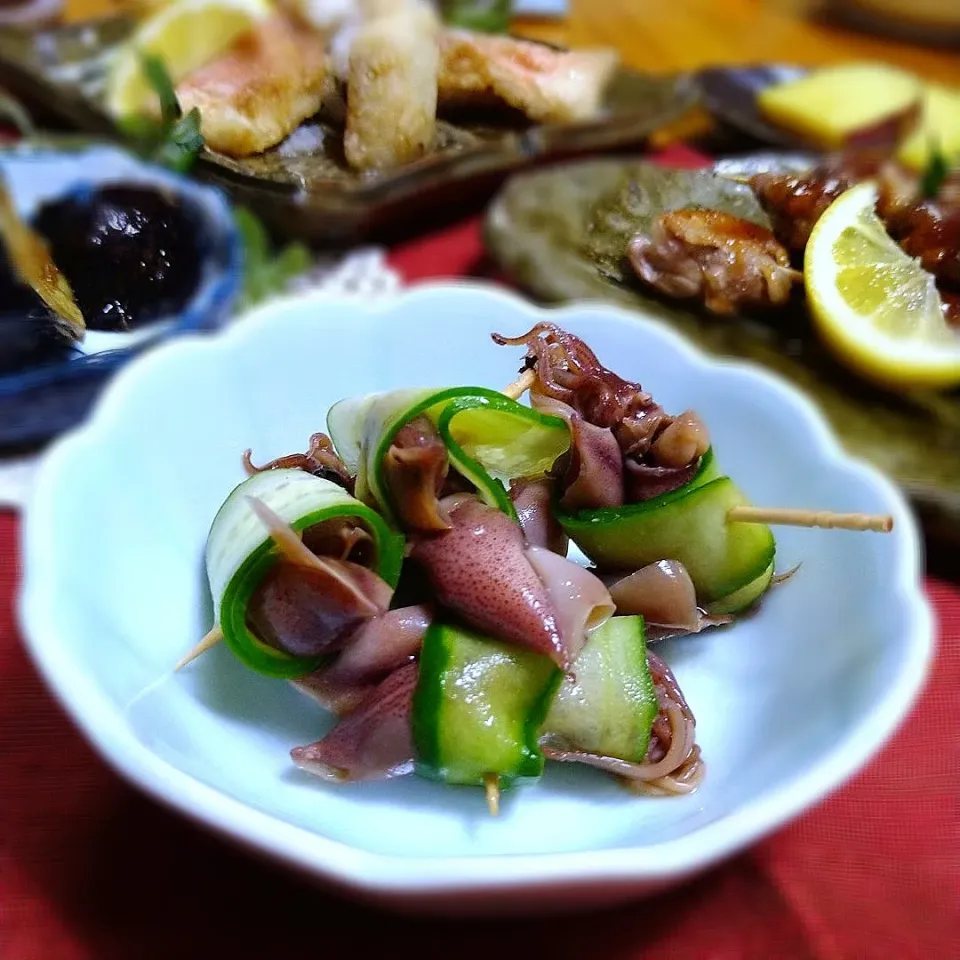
731,563
295,565
437,464
478,708
638,485
482,707
620,710
485,709
410,449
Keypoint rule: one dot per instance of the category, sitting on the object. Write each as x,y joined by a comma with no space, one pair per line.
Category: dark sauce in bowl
131,253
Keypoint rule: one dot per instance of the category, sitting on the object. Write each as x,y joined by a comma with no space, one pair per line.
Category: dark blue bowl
37,403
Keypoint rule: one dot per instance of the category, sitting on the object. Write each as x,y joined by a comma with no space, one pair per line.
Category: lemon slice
185,34
873,305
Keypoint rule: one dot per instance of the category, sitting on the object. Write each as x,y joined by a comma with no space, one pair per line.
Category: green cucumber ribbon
240,552
490,439
478,708
730,563
608,703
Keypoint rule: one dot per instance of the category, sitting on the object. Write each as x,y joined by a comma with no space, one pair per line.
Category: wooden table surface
661,36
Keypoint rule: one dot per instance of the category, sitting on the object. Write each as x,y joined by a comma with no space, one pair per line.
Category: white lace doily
363,272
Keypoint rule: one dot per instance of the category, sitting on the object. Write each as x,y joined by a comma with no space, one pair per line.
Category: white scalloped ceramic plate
790,703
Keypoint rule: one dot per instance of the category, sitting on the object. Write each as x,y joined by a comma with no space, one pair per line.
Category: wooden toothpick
491,783
521,385
783,516
210,640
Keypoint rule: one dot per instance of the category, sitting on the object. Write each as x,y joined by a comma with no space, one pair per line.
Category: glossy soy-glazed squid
409,572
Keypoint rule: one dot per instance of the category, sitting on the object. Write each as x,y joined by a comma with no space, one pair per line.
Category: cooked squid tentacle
532,501
321,460
625,447
375,649
671,500
415,469
375,742
569,371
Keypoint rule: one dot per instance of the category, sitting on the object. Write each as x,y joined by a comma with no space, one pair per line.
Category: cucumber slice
608,703
511,441
352,423
490,438
744,597
689,525
478,707
239,554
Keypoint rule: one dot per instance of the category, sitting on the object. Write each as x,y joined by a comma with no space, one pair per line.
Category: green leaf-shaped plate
302,188
561,233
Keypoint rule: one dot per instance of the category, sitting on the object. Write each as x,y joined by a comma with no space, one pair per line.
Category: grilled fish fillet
392,89
260,91
548,86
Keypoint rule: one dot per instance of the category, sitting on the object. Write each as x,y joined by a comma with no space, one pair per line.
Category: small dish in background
747,165
301,188
729,95
935,22
42,400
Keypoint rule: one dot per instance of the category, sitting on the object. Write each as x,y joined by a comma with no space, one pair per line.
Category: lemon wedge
873,305
185,34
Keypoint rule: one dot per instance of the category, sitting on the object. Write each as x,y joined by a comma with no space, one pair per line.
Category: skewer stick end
491,783
212,638
521,385
826,519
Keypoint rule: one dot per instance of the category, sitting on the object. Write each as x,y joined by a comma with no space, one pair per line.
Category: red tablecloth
90,870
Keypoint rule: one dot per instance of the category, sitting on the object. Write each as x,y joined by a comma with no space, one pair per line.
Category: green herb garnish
935,173
266,273
175,140
484,16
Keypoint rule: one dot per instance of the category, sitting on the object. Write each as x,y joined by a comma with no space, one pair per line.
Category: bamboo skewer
491,784
521,385
779,516
774,516
207,643
827,519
